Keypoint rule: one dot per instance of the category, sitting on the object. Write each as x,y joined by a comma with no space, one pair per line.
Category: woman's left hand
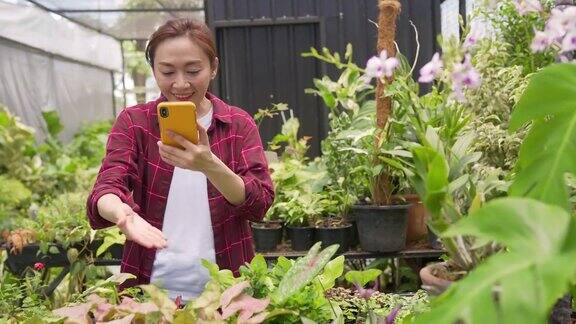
196,157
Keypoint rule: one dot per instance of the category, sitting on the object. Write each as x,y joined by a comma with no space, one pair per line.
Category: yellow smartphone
178,117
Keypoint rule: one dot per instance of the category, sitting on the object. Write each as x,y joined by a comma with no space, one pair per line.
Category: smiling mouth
183,97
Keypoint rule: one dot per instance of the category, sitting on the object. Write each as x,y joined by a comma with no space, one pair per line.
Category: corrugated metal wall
260,42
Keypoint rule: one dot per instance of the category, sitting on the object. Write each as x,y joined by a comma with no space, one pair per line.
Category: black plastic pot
17,263
301,238
351,219
433,240
382,228
334,235
266,239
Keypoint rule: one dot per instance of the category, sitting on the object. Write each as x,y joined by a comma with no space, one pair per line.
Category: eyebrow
193,62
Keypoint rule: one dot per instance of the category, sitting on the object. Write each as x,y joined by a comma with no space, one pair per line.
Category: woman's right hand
139,230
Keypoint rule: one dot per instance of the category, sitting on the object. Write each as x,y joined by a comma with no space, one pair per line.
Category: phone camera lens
163,112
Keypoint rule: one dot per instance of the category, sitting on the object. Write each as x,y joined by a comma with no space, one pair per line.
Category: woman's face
182,70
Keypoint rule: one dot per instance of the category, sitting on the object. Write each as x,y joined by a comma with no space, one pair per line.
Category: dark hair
196,31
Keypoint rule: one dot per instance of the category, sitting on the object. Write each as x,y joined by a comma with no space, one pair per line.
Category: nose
180,81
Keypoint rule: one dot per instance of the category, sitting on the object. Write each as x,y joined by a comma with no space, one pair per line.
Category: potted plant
297,183
58,234
350,150
504,61
300,212
332,228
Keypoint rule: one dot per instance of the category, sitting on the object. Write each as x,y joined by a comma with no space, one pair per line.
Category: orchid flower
431,70
381,66
463,76
525,7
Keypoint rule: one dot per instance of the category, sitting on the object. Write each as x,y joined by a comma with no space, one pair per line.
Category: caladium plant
361,278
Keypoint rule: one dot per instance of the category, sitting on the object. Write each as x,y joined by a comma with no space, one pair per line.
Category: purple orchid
464,76
541,42
560,31
569,42
431,70
477,32
366,293
381,66
525,7
389,64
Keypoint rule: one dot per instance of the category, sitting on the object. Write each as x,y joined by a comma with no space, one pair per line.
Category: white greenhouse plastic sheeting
31,81
49,62
54,34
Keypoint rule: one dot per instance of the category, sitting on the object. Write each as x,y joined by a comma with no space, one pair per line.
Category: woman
178,206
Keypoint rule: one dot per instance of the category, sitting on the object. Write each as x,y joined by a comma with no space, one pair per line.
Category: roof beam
41,6
65,11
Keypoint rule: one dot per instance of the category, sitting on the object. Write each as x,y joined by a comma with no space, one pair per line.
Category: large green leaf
332,271
303,271
522,284
553,88
522,225
547,153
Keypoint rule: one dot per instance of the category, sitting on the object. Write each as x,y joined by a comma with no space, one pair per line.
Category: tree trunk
389,10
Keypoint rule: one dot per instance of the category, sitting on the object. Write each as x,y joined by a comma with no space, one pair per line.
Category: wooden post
389,10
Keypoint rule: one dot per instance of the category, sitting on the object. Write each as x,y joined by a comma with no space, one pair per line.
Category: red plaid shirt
134,171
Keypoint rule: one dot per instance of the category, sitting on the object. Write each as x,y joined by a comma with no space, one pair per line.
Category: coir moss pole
389,10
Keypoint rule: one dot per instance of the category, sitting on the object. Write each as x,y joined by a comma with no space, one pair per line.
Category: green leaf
550,92
224,277
523,225
303,271
361,278
332,271
521,284
53,250
258,264
52,122
111,237
120,278
184,317
547,153
164,303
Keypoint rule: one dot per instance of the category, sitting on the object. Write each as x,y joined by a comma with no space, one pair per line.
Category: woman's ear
215,65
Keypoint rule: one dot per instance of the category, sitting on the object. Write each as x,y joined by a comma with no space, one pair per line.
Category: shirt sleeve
253,169
118,168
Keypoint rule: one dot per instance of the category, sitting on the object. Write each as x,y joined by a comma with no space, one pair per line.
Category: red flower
38,266
178,301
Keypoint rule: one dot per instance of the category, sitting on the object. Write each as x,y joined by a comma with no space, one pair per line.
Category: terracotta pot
417,218
430,282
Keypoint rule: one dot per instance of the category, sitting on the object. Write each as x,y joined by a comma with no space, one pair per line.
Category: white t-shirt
188,229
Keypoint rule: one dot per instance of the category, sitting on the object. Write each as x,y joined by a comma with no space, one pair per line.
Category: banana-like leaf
303,271
547,153
522,284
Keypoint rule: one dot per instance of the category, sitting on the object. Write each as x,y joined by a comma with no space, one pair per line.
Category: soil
448,273
267,225
332,222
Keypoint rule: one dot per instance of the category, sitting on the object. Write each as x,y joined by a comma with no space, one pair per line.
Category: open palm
139,230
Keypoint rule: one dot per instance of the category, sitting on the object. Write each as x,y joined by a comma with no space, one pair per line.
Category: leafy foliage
547,153
358,309
517,31
523,283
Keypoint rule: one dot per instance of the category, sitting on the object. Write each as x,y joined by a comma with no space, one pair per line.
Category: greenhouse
293,161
